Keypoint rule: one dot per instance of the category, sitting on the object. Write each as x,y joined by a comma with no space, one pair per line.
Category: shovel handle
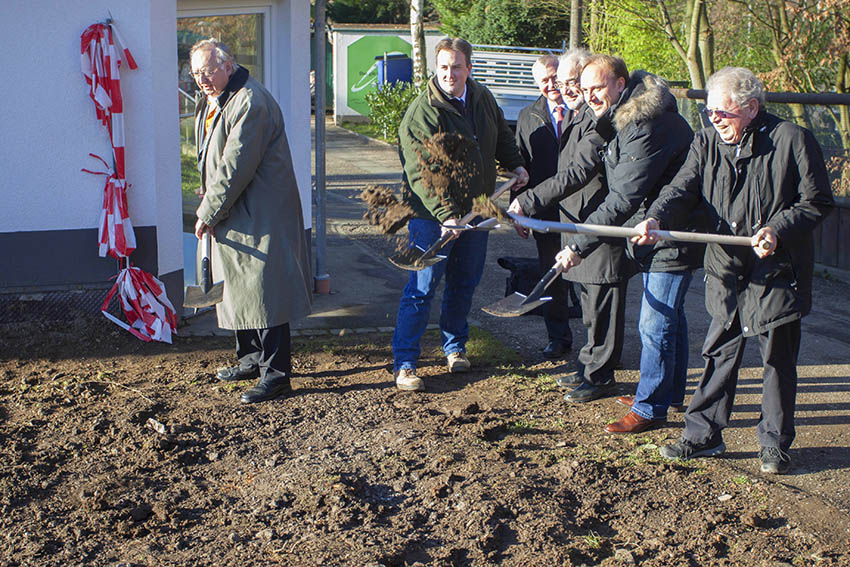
206,271
544,283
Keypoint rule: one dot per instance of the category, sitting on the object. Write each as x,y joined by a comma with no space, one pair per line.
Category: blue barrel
394,68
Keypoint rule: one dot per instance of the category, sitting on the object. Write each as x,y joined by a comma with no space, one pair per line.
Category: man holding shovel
576,190
454,104
252,208
761,177
649,145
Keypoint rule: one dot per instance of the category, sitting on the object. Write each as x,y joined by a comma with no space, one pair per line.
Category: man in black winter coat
538,137
576,190
758,176
649,145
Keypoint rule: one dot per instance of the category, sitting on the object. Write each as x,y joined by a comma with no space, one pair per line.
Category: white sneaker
458,362
406,379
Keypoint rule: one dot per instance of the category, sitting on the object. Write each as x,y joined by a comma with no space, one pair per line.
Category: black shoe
587,392
556,349
570,380
774,460
237,373
266,389
684,449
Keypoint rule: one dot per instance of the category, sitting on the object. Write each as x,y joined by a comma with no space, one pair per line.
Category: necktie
559,116
458,104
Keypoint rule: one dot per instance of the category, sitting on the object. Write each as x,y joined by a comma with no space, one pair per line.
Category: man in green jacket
454,104
252,208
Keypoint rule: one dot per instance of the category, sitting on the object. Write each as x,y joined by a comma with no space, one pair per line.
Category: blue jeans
463,268
664,341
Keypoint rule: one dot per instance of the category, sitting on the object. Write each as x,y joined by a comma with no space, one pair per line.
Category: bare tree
417,39
575,24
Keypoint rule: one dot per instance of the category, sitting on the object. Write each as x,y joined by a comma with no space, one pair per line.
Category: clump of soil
484,207
384,210
449,168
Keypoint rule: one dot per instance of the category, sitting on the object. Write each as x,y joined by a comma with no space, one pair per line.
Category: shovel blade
411,259
513,305
195,298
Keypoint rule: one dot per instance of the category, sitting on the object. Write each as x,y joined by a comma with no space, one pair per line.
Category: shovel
518,304
205,293
628,232
415,258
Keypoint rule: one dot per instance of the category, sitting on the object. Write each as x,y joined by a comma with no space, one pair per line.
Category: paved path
365,289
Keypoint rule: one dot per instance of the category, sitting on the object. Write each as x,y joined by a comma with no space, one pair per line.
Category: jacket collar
439,99
236,82
645,98
758,124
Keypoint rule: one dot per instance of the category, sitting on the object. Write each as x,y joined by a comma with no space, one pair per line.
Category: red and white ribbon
115,234
150,314
100,61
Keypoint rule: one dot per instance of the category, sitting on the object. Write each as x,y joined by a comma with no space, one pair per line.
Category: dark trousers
603,309
270,350
711,406
556,314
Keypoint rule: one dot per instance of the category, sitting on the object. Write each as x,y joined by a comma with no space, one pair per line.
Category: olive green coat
431,113
251,200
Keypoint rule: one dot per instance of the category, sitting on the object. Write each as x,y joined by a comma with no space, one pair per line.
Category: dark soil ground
114,452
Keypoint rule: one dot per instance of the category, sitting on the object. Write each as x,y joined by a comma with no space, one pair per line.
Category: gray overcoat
251,200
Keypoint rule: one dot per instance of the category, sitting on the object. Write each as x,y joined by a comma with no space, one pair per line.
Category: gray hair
574,59
222,53
547,60
741,84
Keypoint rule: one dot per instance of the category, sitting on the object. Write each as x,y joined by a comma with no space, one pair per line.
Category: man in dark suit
538,136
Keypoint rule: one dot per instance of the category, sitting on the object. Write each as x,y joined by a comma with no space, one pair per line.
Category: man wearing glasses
251,207
649,145
757,176
539,136
576,190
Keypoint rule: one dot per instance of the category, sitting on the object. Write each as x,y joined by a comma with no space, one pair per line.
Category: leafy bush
387,105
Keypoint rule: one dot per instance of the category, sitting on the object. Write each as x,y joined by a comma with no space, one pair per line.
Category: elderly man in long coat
252,207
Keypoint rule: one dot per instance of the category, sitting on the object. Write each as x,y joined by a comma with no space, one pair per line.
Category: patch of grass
520,426
541,382
741,480
593,540
644,454
592,454
368,129
488,350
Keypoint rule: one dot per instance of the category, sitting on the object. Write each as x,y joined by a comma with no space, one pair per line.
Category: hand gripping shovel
517,304
205,293
415,258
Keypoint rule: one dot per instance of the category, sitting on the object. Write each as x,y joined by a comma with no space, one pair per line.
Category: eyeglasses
205,73
721,114
572,83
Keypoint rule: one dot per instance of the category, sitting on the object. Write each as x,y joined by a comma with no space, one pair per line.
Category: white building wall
51,126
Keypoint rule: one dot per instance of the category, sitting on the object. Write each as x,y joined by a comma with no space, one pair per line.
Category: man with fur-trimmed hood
649,143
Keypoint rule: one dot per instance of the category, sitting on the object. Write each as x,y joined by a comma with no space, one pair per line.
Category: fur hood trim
649,97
